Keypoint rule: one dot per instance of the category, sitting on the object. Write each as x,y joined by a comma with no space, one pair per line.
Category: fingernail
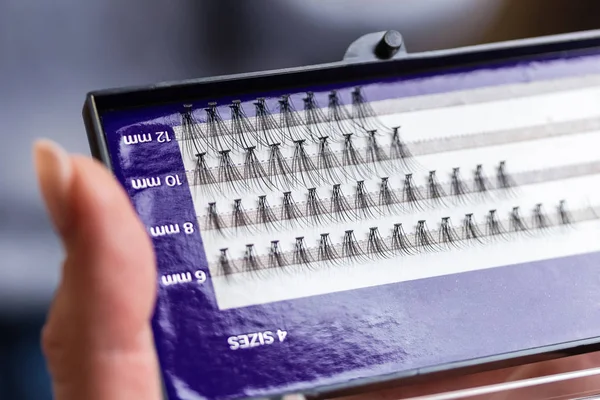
55,172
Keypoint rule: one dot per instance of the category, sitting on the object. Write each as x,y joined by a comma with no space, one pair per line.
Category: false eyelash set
244,154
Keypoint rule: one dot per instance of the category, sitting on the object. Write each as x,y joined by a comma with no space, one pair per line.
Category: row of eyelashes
303,169
239,133
242,132
306,168
362,204
398,243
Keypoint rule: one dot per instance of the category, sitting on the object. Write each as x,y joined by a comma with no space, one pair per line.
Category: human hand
98,341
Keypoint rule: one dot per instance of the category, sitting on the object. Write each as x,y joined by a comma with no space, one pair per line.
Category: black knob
389,45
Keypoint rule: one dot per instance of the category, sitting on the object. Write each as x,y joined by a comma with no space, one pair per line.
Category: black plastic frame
224,86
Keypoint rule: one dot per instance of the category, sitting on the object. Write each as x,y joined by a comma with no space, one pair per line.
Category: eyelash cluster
363,203
215,140
422,239
287,126
301,169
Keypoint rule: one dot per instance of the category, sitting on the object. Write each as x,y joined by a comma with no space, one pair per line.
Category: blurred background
52,53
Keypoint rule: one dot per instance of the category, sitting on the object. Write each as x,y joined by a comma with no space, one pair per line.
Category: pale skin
97,339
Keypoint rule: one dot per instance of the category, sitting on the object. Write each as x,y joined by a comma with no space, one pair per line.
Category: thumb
97,339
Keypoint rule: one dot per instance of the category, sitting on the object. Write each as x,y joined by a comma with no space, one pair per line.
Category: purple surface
363,333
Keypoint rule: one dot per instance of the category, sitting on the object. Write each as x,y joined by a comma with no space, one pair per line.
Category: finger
97,339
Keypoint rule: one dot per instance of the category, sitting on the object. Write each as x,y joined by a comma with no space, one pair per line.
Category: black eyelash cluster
314,210
398,242
300,170
284,125
216,138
